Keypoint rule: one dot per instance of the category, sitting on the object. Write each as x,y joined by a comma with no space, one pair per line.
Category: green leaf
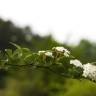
9,52
17,46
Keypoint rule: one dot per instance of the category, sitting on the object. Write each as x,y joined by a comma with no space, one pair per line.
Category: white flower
49,54
89,71
62,49
41,52
45,53
76,62
66,54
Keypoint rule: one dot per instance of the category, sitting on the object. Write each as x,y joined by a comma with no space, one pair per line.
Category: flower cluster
62,50
89,70
46,53
65,52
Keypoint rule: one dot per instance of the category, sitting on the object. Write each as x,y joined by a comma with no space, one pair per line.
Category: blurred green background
42,82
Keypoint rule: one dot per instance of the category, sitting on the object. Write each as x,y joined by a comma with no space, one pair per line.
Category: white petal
76,62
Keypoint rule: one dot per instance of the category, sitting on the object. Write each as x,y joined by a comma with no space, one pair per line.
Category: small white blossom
49,54
76,62
62,49
89,71
66,54
41,52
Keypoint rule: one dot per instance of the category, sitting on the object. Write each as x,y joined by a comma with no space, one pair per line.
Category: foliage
58,60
